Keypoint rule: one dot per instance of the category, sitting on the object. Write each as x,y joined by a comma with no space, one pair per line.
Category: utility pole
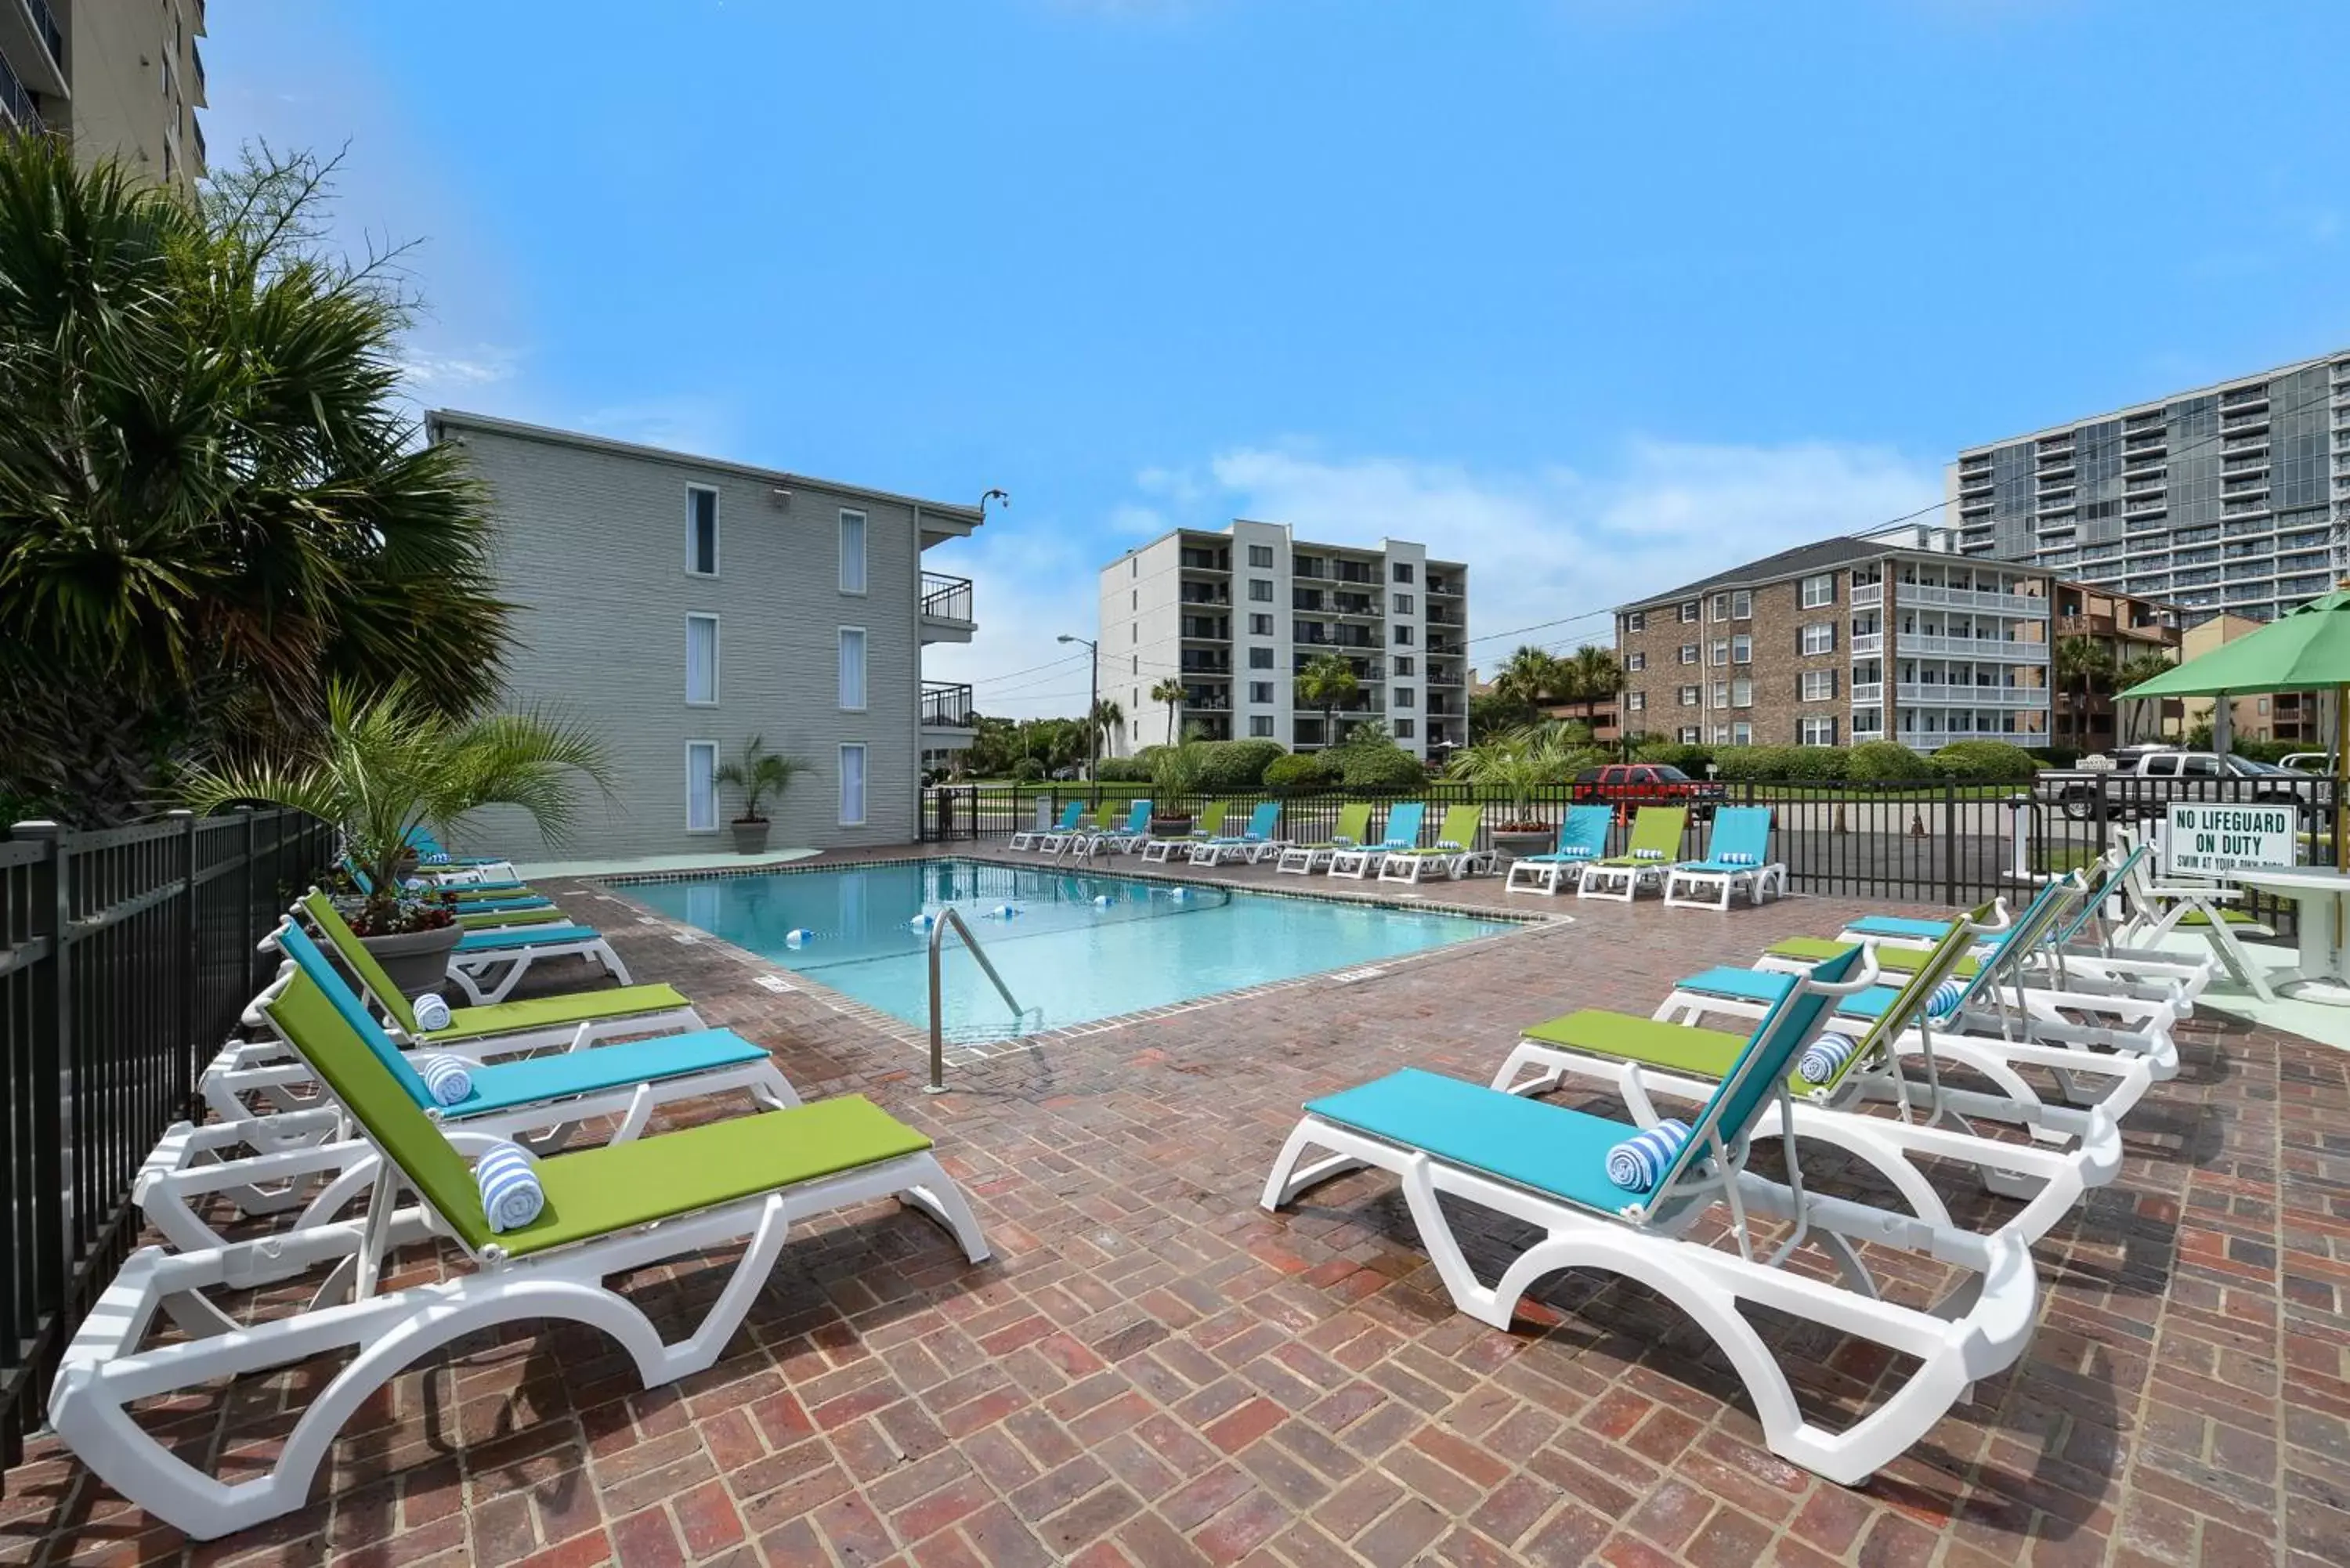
1093,705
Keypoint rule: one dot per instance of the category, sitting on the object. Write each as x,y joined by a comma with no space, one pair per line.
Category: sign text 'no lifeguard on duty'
2208,839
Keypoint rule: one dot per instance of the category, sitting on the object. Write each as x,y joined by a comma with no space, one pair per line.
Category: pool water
1072,949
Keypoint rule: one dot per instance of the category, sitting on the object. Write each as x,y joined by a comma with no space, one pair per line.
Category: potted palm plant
758,773
388,763
1516,765
1177,775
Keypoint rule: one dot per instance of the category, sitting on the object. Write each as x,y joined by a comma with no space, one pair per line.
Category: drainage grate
773,982
1349,976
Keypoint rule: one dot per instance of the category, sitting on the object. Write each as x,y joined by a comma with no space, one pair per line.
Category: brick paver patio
1152,1371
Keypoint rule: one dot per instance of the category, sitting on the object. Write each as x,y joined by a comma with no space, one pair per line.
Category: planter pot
1170,828
1518,845
751,837
416,962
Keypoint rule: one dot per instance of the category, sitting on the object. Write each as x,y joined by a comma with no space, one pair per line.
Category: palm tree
1106,717
1327,681
1170,692
388,763
2084,663
212,501
1592,675
2138,671
1530,676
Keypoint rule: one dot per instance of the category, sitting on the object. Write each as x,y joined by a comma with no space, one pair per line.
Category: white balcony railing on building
1935,694
1867,645
1867,694
1972,598
1998,649
1867,593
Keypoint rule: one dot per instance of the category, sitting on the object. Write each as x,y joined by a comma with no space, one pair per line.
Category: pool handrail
947,917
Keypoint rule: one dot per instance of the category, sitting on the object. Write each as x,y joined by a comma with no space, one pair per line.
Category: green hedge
1885,762
1124,770
1237,765
1381,770
1690,759
1303,774
1028,769
1984,761
1780,764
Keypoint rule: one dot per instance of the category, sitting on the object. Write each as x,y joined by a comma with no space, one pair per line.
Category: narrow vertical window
701,661
702,786
852,786
852,552
701,530
852,668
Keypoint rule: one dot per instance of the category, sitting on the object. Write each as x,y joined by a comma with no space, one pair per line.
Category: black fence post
1950,843
249,915
52,1190
190,959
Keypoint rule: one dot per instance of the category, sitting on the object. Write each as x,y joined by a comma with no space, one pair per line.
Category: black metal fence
1928,842
126,957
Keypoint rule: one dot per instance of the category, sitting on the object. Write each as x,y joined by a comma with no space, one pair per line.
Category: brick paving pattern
1153,1371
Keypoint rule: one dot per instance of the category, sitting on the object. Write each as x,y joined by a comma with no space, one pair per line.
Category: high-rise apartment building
111,77
1870,639
2232,498
1236,615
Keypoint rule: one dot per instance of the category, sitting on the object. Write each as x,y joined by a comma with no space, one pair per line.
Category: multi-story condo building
119,77
683,605
2120,628
1237,614
1852,639
2233,497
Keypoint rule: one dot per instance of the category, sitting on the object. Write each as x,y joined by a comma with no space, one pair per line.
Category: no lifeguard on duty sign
2202,840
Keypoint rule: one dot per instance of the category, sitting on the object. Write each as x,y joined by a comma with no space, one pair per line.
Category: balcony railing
946,705
18,102
1867,644
1867,593
1940,695
1867,694
1204,594
945,597
1997,647
1966,599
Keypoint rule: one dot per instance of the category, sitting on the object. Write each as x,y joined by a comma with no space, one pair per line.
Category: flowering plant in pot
758,773
1517,765
385,763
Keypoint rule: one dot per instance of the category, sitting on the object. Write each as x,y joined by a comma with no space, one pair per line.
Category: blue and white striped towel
450,1078
1647,855
1824,1057
1639,1162
1342,841
1944,1003
1447,844
432,1012
508,1178
1737,858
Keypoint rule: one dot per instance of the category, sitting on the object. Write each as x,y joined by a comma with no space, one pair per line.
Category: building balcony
1205,664
1867,593
1998,649
1208,561
1867,645
1445,587
1867,694
946,608
1204,594
947,715
1942,694
1925,594
34,47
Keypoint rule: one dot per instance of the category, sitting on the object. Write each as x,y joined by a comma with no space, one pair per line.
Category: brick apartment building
1846,640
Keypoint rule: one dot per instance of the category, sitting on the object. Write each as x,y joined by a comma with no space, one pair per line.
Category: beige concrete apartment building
120,77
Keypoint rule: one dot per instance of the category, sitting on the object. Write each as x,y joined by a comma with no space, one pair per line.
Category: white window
1636,701
1260,626
852,669
852,786
1260,556
1721,693
852,552
1403,637
1688,612
1636,621
1720,651
1742,735
1688,653
700,530
1819,637
1721,734
1261,727
1818,591
1637,661
1690,696
1815,731
1404,665
702,786
1260,690
1403,697
1260,590
1819,685
701,661
1260,659
1741,606
1721,606
1741,693
1406,730
1403,604
1690,734
1742,651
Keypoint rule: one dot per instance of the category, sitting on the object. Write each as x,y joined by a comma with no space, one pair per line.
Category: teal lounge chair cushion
495,939
1898,926
1754,985
1545,1147
502,906
507,1086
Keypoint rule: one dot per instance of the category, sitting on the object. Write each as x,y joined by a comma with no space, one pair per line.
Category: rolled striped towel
432,1012
1574,852
450,1078
508,1178
1342,841
1639,1162
1447,844
1738,857
1824,1057
1647,855
441,859
1944,1003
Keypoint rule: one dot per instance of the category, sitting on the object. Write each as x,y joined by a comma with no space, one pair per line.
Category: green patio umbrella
2307,650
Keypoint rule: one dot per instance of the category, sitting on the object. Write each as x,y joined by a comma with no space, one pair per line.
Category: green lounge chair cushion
2227,918
1673,1047
1890,958
592,1192
552,1012
490,919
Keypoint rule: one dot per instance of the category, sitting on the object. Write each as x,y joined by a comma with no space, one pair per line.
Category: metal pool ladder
947,917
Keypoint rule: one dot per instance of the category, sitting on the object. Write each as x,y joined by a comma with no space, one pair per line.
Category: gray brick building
684,604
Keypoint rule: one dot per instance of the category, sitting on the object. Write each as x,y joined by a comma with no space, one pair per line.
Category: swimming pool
1072,948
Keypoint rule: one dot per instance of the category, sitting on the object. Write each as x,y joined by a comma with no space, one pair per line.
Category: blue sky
1597,295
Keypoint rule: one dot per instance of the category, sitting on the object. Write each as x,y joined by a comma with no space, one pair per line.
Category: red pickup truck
1629,785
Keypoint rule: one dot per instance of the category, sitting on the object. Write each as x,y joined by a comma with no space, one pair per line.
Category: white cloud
699,426
428,375
1541,544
